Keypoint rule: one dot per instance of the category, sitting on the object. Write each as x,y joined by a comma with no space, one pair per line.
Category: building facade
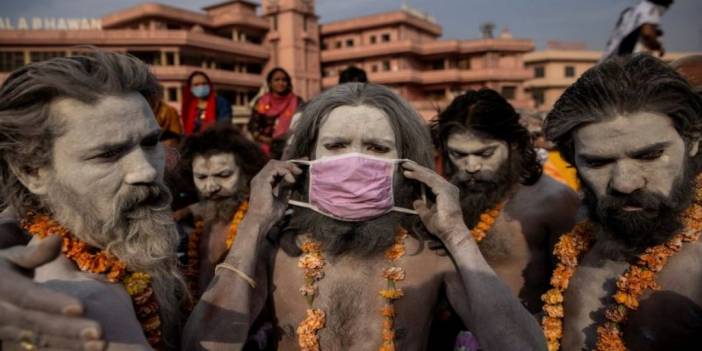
402,50
554,70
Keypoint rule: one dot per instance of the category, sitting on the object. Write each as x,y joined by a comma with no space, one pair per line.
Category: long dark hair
487,112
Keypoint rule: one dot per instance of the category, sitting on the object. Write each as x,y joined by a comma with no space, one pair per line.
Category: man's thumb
35,254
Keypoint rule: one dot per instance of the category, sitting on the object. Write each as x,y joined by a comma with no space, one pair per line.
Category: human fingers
47,342
54,325
424,175
40,252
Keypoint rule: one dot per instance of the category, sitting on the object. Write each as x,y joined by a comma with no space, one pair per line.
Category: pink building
402,50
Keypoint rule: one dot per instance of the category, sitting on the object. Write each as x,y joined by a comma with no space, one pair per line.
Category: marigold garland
191,270
312,262
631,285
487,220
89,259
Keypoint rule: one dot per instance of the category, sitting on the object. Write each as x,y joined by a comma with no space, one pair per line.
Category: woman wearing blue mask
201,104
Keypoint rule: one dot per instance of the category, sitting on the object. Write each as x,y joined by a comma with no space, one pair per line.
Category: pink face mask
351,187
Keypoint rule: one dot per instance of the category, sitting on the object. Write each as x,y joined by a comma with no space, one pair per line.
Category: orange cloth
168,119
557,168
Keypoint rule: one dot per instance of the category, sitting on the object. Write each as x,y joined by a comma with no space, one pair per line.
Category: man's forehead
218,160
111,118
349,120
623,133
466,138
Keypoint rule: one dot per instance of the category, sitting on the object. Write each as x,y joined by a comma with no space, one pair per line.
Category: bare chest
664,316
349,296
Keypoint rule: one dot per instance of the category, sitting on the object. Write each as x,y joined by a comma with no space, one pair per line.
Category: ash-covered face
216,176
361,129
476,159
106,149
637,175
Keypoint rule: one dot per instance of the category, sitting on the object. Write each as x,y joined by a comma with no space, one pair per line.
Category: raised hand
444,218
268,201
35,317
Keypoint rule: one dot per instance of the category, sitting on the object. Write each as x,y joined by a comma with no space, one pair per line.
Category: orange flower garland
631,285
191,270
312,262
89,259
487,220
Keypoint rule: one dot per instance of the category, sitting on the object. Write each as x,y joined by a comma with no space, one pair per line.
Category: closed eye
595,162
650,156
377,148
457,154
111,153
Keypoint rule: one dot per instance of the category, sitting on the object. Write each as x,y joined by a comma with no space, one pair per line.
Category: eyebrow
471,152
636,153
154,134
369,140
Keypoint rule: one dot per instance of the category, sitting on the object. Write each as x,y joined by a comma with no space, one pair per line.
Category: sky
587,21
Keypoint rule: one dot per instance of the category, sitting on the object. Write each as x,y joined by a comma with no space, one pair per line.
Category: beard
483,191
141,233
220,209
656,223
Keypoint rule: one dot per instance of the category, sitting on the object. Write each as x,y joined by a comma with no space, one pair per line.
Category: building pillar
176,57
164,59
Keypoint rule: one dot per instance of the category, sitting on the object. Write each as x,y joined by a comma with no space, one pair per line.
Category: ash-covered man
353,273
80,158
220,163
514,212
630,276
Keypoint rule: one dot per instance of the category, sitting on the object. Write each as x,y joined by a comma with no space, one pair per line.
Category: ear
36,180
694,146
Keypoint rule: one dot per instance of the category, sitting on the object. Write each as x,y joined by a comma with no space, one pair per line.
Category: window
372,39
386,65
349,43
11,60
337,45
324,45
538,96
539,72
45,55
509,92
374,68
172,94
385,38
569,71
464,63
437,64
274,22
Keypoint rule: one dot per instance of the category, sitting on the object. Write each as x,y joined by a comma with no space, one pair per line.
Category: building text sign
50,23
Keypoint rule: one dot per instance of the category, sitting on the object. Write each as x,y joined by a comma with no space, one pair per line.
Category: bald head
690,67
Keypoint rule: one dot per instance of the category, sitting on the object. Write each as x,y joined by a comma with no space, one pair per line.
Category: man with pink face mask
351,271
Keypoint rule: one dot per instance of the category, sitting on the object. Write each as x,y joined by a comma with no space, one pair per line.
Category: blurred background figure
169,121
690,67
638,29
201,104
353,74
274,110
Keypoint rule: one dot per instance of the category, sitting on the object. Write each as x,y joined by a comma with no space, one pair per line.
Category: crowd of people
325,226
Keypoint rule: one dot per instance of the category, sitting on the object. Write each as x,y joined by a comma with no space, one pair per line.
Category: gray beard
141,233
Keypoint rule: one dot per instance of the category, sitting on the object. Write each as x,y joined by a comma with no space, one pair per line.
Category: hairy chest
349,295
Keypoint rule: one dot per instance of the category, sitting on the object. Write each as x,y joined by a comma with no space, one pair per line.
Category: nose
626,178
140,168
211,187
472,165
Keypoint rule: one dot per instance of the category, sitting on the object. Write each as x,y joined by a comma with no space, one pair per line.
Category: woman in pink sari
274,110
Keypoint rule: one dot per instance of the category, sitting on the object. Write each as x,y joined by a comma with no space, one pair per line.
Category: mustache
131,198
650,203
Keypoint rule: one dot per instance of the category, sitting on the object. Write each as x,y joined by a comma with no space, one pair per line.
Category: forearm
500,322
224,314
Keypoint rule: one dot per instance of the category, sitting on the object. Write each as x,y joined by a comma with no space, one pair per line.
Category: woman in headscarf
274,110
202,106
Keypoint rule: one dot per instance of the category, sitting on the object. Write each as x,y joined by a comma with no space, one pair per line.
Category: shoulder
551,194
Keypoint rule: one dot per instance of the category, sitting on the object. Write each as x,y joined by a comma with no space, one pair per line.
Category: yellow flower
552,297
555,311
391,294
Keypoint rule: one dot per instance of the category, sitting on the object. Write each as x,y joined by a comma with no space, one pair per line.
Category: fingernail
95,345
89,333
73,310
